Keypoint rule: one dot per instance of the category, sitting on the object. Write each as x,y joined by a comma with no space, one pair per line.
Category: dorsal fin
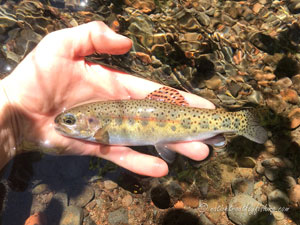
167,94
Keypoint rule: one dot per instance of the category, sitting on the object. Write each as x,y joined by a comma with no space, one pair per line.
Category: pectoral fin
102,135
165,153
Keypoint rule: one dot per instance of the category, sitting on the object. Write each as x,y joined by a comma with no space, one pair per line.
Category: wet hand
55,76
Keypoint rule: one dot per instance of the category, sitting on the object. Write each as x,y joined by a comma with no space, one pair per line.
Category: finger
87,39
134,161
123,156
195,150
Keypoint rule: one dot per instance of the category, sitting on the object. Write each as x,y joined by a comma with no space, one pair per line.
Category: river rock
272,174
72,215
117,217
294,195
277,199
127,200
244,210
109,184
242,186
80,195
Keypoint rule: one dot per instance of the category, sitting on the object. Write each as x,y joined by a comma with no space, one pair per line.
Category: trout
162,117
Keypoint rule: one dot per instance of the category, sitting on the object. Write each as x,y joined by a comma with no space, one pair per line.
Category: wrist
10,132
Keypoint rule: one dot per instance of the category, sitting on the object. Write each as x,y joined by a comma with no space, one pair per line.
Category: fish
163,117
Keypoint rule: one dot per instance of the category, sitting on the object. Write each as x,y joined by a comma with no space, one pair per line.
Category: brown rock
214,83
127,200
146,6
294,117
264,76
179,205
294,195
296,83
145,58
283,83
290,95
276,103
257,7
190,200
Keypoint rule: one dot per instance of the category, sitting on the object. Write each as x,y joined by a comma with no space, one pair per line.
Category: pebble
204,220
296,83
117,217
109,184
283,83
294,117
72,215
246,162
260,76
272,174
278,215
36,218
276,103
146,6
242,209
81,195
290,95
203,187
277,199
294,195
259,168
127,200
190,200
270,147
214,83
289,181
257,7
40,189
174,189
274,163
242,186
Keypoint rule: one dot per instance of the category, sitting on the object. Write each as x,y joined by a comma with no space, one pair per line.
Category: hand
55,76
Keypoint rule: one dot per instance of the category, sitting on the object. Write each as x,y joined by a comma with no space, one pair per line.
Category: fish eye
69,119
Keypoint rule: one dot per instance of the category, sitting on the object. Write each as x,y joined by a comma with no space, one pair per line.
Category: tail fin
252,128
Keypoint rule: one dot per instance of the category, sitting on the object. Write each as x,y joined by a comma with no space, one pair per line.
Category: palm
58,77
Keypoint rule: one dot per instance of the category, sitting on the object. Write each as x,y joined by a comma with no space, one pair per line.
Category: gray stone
72,215
81,195
243,210
242,186
109,185
259,168
277,199
174,189
62,198
204,220
40,189
272,174
127,200
118,217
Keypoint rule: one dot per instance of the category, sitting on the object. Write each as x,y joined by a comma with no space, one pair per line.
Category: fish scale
159,119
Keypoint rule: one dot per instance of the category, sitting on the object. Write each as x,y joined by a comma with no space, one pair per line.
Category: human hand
55,76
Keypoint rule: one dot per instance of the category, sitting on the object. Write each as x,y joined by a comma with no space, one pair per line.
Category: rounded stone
278,199
294,195
109,185
241,185
127,200
243,209
81,195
